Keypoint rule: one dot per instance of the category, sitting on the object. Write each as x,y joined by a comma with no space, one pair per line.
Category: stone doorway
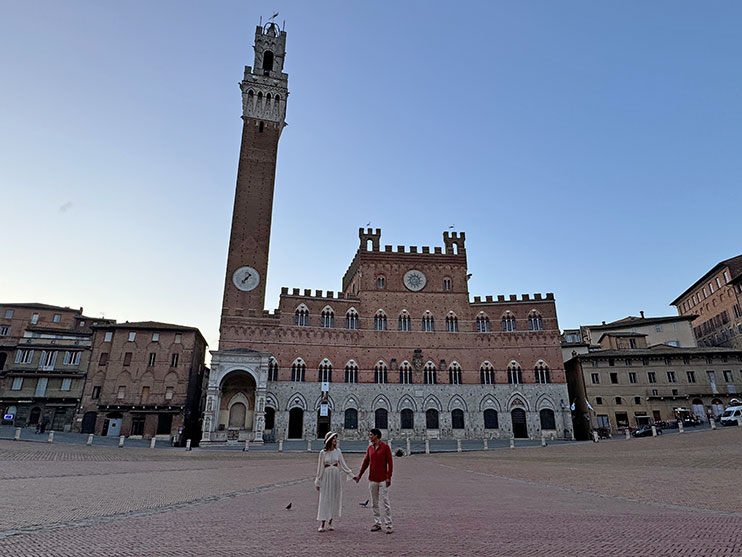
323,424
520,426
296,423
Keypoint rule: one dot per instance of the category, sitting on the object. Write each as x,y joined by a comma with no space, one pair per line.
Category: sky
590,149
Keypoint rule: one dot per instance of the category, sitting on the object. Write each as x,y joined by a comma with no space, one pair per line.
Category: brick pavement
673,495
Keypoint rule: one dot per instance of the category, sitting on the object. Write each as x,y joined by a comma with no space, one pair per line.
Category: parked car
730,415
646,431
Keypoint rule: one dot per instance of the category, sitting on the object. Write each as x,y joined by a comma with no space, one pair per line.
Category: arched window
351,372
298,371
407,419
428,322
487,374
380,321
328,318
535,322
508,322
267,62
301,316
381,418
381,282
515,374
547,419
351,418
541,371
431,418
457,419
351,319
447,284
482,323
452,323
324,373
490,419
380,372
404,321
272,369
429,374
405,373
454,374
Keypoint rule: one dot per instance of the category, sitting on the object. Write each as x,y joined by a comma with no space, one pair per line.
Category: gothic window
454,374
298,371
429,377
508,322
541,371
431,418
428,323
380,282
381,418
515,374
351,372
457,419
535,322
407,419
325,371
547,419
328,318
351,319
447,284
351,418
482,324
490,419
380,372
404,321
487,374
380,321
452,323
267,62
301,316
405,373
272,369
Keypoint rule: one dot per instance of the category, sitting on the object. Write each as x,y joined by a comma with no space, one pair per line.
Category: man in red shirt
379,458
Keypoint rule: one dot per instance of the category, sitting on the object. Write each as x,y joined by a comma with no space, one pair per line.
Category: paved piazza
674,495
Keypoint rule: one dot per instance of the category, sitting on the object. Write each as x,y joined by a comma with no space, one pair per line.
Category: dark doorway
88,422
296,423
520,427
59,418
164,424
323,424
33,418
407,419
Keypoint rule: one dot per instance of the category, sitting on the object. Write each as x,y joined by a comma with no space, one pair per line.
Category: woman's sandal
320,529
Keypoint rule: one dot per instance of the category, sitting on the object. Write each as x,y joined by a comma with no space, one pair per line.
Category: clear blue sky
590,149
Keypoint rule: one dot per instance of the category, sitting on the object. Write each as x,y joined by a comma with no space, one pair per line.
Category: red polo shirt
380,460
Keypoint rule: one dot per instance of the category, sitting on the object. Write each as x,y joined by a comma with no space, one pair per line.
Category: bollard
121,441
486,444
90,440
152,443
680,427
408,447
247,446
512,442
188,444
309,445
427,446
17,434
543,440
739,422
280,445
51,437
712,421
627,433
458,445
654,431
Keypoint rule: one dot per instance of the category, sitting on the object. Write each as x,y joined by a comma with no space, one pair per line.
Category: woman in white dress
330,470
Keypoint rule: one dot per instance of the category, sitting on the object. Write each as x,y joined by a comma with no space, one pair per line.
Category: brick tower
264,92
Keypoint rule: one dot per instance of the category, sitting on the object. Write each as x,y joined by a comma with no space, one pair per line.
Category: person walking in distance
379,462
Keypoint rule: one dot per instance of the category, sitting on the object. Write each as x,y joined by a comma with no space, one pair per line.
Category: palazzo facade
401,346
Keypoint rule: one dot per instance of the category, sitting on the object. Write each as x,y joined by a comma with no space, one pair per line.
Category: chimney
642,313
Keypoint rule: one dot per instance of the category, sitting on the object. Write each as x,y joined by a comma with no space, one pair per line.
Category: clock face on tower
246,278
415,280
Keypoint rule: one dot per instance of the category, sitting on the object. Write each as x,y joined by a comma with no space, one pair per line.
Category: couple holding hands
331,468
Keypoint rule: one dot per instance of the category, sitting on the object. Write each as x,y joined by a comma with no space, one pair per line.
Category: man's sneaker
376,527
390,530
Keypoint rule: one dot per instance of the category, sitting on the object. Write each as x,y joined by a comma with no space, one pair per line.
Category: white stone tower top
265,86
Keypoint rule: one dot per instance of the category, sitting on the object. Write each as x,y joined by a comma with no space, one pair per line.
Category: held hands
388,483
318,488
356,479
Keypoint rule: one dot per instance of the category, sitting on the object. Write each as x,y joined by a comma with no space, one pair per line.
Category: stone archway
237,404
520,425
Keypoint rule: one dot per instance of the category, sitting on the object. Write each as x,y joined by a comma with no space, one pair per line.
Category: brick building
714,301
400,347
145,379
44,354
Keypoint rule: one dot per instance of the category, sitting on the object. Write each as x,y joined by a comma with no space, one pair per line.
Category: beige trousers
379,489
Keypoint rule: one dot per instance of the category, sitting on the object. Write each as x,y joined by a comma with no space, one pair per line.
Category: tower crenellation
265,85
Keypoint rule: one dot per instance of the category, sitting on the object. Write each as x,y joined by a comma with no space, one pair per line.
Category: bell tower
264,93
